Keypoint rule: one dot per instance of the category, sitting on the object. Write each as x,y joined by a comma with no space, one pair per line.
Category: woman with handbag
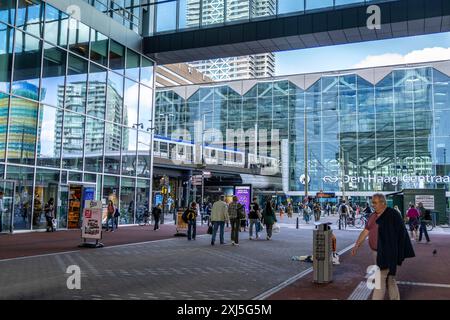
269,218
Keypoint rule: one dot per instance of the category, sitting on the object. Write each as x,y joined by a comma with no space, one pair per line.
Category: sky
365,54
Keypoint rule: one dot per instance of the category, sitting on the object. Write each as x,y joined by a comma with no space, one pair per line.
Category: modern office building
75,106
368,130
232,68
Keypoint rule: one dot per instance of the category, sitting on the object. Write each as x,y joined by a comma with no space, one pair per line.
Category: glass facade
175,15
362,135
65,125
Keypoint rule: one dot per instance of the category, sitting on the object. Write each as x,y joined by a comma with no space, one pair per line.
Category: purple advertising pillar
244,194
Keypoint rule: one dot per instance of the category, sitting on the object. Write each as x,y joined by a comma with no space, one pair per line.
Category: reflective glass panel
143,165
116,57
27,66
53,75
142,197
4,101
111,189
6,46
96,102
130,110
56,26
45,196
79,37
49,135
22,131
133,63
23,177
166,16
129,137
288,6
7,11
147,72
99,47
145,106
29,16
115,97
127,190
75,98
112,148
93,147
73,139
318,4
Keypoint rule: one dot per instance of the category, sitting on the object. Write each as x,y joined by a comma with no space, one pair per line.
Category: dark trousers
192,229
1,222
423,230
156,222
235,226
269,230
49,223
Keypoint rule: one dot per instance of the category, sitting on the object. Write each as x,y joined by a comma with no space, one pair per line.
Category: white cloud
416,56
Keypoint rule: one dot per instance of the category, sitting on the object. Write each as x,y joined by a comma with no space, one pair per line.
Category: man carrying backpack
344,211
236,213
190,217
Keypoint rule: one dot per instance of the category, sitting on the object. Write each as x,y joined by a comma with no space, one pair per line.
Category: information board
427,201
92,220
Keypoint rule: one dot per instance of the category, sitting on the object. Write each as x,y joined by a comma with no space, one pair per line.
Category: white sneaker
232,242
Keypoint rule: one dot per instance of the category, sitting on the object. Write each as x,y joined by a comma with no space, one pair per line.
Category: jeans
192,229
216,225
255,223
116,222
269,230
235,226
423,230
112,223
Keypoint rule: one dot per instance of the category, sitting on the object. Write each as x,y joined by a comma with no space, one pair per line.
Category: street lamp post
203,155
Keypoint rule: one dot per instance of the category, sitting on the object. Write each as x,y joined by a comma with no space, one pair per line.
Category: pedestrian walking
191,218
219,214
343,211
390,244
424,216
290,210
156,213
111,209
413,221
235,213
49,210
317,211
269,218
255,218
116,217
2,211
306,213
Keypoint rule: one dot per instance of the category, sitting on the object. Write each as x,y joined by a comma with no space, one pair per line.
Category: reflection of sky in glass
47,132
166,16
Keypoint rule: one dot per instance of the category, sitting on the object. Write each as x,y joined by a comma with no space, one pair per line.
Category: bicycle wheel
429,226
360,223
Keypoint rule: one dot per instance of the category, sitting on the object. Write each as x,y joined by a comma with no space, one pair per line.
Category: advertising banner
244,193
92,220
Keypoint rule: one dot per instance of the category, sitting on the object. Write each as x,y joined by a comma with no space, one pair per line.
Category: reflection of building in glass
377,122
73,124
22,131
233,68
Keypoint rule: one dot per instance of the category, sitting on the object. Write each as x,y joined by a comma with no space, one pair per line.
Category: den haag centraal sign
394,180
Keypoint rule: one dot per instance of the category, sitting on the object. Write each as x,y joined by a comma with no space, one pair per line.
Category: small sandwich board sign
92,224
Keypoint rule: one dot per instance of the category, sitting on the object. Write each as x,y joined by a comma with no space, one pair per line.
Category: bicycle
361,222
429,225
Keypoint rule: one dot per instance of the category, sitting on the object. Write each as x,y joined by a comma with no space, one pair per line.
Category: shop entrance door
78,194
7,214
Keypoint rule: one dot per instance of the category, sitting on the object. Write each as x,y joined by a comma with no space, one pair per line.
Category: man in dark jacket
393,246
156,212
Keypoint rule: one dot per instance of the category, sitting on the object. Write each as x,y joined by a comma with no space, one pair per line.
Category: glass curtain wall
393,128
62,114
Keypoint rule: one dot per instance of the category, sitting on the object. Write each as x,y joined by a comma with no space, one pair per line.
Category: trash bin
322,253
